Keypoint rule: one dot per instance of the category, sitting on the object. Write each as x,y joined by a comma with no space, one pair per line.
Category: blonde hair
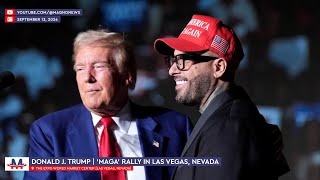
122,51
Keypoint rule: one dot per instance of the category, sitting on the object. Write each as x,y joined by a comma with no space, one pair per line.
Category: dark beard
196,90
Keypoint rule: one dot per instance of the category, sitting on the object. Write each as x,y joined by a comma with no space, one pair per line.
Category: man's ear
130,81
219,66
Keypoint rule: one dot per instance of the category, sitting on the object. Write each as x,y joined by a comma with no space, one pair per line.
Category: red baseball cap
204,33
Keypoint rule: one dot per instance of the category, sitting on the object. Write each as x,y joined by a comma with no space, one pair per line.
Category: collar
122,119
212,96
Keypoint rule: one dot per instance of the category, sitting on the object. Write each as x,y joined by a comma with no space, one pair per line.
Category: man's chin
93,106
185,101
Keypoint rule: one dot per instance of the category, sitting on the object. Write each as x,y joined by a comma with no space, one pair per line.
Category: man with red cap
203,61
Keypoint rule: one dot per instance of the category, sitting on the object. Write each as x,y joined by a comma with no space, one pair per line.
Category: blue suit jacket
70,133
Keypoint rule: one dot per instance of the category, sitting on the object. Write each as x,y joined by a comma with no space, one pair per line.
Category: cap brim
166,46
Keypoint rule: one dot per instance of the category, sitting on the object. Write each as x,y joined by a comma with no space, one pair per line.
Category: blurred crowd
280,69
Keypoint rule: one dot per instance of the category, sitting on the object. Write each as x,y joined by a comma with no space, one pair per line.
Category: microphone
6,79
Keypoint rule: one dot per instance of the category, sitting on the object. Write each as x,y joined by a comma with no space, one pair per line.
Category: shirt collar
204,107
214,94
122,119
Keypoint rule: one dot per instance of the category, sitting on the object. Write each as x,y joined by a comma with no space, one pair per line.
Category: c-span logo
16,163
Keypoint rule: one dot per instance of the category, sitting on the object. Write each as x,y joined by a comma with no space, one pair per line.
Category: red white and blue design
16,163
220,44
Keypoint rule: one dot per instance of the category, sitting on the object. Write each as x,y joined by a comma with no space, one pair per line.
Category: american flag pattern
155,143
220,44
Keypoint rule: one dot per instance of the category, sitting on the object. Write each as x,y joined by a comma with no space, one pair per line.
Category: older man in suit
107,123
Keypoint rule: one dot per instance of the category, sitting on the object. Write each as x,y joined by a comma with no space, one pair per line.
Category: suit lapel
152,143
212,107
82,139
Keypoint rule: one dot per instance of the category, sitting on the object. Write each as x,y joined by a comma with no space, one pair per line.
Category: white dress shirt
126,133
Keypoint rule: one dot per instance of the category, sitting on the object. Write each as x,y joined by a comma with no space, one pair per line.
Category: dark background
280,70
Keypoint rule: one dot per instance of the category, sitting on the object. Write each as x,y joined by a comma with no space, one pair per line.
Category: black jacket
232,128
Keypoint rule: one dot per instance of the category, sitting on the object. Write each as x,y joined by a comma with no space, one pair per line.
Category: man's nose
90,75
173,69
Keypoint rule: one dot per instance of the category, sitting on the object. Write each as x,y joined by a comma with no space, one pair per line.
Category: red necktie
109,148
